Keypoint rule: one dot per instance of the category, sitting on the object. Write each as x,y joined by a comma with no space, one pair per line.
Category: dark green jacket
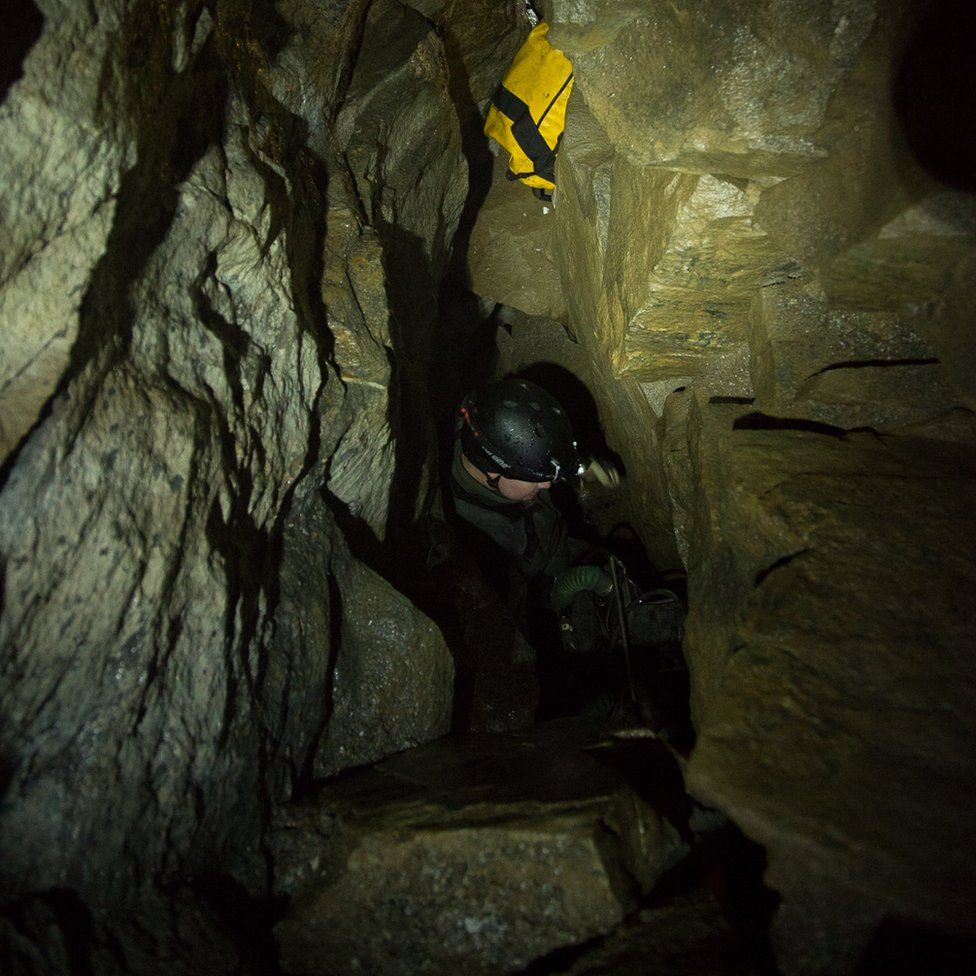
534,535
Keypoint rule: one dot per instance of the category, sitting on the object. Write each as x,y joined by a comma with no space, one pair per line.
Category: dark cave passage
21,24
581,671
269,706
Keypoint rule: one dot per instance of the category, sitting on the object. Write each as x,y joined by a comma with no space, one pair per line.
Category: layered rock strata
481,854
765,294
209,389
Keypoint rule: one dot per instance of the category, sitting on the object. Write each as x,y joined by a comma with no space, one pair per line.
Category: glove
576,579
602,472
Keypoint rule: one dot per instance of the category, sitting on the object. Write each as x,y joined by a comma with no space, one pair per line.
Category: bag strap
555,98
526,132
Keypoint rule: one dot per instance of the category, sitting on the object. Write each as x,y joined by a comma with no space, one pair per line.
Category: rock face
765,297
686,935
510,254
479,855
224,225
204,373
834,707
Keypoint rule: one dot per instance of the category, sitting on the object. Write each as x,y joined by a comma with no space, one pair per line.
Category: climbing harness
623,645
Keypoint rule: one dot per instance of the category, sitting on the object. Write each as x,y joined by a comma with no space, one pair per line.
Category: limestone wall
201,206
764,292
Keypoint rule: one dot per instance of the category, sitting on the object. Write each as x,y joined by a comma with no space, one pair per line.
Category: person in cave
514,442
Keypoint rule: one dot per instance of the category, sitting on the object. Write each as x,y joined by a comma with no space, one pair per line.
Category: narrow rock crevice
780,563
21,24
876,364
762,421
266,708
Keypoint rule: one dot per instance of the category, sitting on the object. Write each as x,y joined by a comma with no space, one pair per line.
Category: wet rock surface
205,379
845,671
765,294
482,853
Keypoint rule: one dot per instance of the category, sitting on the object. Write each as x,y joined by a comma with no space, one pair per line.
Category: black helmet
518,429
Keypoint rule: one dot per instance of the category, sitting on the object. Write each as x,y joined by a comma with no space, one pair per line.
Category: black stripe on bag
508,102
548,169
526,133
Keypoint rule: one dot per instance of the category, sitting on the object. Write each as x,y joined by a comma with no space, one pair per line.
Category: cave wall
764,280
211,394
224,225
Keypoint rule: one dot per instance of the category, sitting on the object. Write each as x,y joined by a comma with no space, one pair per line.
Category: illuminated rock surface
737,220
224,227
197,310
833,704
480,854
510,254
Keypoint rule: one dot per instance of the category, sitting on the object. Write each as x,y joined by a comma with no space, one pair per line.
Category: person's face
521,491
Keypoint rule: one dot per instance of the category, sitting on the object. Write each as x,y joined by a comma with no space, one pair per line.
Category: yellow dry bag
528,112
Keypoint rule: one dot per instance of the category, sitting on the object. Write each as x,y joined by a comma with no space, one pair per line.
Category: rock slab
834,599
479,855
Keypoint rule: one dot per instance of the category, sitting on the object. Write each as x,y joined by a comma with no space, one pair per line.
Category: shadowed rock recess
224,227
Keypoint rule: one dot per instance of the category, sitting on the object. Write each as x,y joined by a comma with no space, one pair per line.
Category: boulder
510,256
480,854
392,677
832,681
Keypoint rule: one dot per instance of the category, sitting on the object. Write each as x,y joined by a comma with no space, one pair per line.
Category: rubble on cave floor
485,853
